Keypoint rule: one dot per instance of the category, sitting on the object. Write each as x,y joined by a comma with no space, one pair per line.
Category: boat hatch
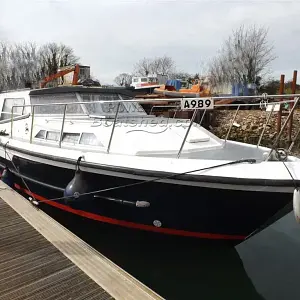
195,135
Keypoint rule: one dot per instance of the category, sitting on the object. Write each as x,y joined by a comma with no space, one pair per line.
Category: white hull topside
62,157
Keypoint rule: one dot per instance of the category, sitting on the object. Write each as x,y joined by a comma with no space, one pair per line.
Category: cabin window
82,72
53,136
135,80
145,79
56,109
70,138
133,107
111,107
7,106
88,138
102,108
41,134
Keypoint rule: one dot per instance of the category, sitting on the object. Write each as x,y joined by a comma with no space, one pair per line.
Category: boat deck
40,259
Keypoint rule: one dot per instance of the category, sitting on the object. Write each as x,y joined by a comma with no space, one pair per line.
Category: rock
251,126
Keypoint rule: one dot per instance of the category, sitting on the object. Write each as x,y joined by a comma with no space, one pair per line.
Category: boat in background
172,89
144,84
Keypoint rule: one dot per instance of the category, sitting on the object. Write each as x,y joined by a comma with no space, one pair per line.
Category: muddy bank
249,125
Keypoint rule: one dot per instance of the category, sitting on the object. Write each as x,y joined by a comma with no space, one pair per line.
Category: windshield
56,98
109,109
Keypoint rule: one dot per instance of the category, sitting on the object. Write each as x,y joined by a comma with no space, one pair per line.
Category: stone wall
249,125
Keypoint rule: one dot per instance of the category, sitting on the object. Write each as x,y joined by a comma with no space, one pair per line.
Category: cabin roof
82,89
15,91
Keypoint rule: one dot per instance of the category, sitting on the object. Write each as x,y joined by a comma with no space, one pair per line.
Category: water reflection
176,269
271,259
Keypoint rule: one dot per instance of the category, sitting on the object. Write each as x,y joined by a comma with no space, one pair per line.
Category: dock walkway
42,260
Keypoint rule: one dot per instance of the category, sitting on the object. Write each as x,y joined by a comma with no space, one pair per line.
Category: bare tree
159,65
143,67
123,79
166,65
245,55
4,65
53,55
218,70
23,65
16,65
180,75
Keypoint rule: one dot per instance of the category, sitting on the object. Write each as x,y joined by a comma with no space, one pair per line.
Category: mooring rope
266,224
251,161
31,194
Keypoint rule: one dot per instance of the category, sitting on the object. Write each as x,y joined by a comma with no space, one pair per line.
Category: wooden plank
59,261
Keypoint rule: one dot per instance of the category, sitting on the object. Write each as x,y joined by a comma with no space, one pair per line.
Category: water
264,267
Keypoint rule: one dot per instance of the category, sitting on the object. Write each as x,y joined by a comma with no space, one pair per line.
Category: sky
112,35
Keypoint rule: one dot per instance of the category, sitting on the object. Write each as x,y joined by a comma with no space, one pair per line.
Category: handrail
189,128
232,121
187,132
265,126
202,117
282,129
113,129
119,101
294,140
163,106
18,117
179,99
62,127
32,120
12,121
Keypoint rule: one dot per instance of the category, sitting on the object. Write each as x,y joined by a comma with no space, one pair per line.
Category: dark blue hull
175,209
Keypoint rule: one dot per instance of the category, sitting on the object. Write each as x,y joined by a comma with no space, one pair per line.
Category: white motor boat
94,152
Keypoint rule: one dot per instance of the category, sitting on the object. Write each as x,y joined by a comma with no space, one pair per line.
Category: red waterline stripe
131,224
